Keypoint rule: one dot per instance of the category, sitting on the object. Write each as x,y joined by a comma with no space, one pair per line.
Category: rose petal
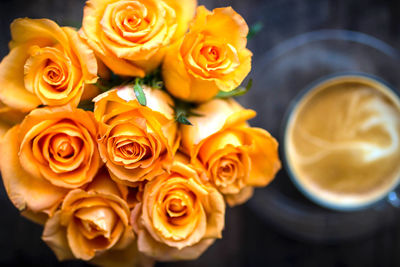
185,11
237,199
223,23
235,78
12,88
45,31
264,157
215,115
162,252
54,234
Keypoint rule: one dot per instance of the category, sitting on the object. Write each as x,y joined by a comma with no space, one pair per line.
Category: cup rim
285,124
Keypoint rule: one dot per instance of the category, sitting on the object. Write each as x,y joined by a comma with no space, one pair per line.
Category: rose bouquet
122,137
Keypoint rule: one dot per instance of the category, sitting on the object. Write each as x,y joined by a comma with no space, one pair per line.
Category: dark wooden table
248,240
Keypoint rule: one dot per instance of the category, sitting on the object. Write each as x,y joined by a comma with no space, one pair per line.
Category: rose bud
234,155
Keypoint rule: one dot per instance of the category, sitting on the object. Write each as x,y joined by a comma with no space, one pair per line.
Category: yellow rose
235,156
180,216
47,64
211,57
129,36
136,142
52,150
90,222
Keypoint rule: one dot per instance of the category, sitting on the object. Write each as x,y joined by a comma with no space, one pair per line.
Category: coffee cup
341,142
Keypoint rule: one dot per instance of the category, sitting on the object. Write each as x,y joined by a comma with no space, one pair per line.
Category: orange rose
180,216
235,156
136,142
47,64
129,36
51,151
210,58
90,222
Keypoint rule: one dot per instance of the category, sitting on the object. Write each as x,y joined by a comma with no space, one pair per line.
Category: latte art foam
342,141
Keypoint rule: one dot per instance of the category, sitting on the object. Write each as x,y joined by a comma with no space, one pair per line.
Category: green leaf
236,92
140,96
183,120
183,110
255,29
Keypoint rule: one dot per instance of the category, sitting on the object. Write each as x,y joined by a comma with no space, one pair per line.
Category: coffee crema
342,142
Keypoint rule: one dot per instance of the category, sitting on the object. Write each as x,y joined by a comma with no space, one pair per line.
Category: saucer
283,72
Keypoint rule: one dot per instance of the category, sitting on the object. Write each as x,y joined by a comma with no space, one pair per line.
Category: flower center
54,75
130,146
211,53
96,221
63,147
131,150
178,204
129,19
60,147
208,57
176,208
134,22
65,150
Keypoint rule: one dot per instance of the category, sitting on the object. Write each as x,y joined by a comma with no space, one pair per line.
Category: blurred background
278,227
